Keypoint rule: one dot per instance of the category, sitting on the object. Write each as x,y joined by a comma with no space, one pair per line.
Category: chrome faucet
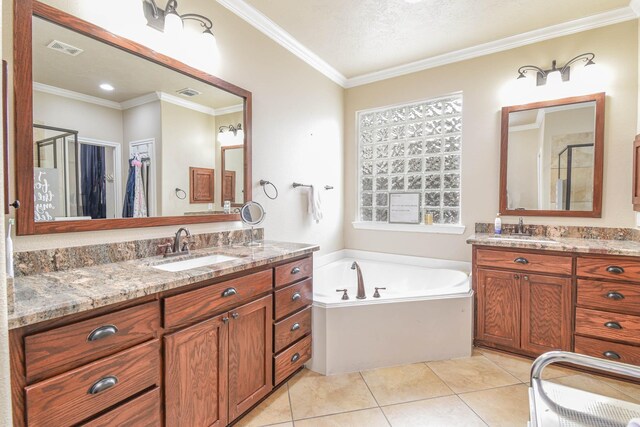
177,247
361,294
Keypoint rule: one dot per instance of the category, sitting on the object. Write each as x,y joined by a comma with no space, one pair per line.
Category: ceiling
359,37
130,75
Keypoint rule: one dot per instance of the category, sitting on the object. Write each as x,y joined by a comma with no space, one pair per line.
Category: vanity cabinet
519,308
636,174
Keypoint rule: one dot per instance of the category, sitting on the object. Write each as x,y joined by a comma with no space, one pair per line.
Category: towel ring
180,192
264,184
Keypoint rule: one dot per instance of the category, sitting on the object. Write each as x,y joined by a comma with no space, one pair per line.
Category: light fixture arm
586,57
523,70
231,128
203,20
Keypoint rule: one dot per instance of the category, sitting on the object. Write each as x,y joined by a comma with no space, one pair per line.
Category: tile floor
486,389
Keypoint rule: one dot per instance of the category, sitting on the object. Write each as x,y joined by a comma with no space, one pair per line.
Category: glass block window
413,148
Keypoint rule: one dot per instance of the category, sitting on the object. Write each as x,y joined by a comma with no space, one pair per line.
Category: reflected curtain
127,209
94,191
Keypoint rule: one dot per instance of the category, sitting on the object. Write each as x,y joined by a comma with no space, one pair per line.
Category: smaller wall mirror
552,157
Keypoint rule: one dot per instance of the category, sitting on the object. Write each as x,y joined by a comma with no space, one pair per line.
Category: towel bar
297,184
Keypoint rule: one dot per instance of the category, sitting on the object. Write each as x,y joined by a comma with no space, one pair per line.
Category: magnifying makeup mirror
252,213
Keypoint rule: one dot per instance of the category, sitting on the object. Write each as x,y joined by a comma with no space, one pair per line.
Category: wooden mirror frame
24,11
598,162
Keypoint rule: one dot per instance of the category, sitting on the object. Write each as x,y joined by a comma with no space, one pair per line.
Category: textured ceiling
362,36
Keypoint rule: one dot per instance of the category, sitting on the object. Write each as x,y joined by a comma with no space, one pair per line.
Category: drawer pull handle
611,355
229,292
295,358
295,327
296,296
615,295
614,269
295,270
102,332
521,260
103,384
613,325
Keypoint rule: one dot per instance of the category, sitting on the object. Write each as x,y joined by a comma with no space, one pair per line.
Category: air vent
65,48
189,92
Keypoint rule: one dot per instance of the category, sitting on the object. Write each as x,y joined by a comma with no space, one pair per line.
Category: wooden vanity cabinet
518,308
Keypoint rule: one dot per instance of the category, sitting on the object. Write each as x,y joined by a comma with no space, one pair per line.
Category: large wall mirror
118,136
552,158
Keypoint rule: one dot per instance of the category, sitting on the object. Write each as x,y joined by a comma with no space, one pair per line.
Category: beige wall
522,173
297,120
488,83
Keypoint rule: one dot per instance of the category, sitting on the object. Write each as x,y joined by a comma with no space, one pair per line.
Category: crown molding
283,38
583,24
635,6
140,100
228,110
172,99
65,93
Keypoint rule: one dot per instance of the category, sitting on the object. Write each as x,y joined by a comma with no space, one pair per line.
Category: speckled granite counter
50,295
559,244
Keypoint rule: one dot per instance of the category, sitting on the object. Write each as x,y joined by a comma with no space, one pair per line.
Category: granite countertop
47,296
559,244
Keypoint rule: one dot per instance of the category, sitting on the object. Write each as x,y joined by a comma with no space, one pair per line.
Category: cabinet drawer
291,359
612,326
524,261
79,394
293,298
143,411
291,329
607,350
70,346
294,271
609,296
610,268
190,306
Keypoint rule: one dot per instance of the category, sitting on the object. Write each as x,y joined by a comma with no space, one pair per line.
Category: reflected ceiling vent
65,48
189,92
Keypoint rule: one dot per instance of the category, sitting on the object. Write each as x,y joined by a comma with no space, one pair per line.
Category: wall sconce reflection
231,135
555,74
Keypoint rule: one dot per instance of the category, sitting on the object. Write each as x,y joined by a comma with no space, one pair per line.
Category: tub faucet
361,294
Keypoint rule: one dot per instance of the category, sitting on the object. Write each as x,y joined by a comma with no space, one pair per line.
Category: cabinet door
250,354
196,375
636,174
498,316
546,313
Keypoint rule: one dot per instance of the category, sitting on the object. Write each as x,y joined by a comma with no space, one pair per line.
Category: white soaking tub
426,312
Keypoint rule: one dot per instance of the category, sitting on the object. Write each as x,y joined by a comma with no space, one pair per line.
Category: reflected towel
315,204
634,423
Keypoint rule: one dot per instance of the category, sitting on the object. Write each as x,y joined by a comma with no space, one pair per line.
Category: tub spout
361,294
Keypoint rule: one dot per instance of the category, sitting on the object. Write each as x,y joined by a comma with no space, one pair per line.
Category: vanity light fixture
563,73
231,135
170,21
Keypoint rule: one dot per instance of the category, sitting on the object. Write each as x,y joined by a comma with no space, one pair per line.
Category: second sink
188,264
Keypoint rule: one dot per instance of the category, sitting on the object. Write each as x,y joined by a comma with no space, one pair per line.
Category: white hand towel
315,203
634,423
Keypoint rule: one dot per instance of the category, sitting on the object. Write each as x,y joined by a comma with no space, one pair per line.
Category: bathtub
424,314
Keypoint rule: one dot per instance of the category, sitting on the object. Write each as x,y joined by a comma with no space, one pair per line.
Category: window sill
410,228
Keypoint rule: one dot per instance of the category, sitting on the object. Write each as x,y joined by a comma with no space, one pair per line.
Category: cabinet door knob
614,269
102,332
295,358
516,276
229,292
295,270
15,204
296,296
525,277
103,384
235,315
225,319
295,327
611,355
613,325
521,260
615,295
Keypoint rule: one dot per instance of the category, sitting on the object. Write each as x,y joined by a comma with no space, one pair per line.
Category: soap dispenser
497,225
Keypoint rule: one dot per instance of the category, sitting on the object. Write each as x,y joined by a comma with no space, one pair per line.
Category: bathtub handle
376,294
521,260
296,296
295,327
295,358
344,295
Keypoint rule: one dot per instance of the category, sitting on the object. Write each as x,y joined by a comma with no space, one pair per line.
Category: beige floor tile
627,388
289,424
520,367
364,418
593,384
500,407
472,374
404,384
441,411
314,395
275,409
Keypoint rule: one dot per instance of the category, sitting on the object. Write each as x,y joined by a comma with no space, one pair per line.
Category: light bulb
172,24
239,137
554,78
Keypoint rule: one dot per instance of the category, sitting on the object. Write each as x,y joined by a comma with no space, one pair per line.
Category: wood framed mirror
551,158
124,159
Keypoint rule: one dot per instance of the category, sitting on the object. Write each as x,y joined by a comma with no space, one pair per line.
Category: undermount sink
188,264
529,239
